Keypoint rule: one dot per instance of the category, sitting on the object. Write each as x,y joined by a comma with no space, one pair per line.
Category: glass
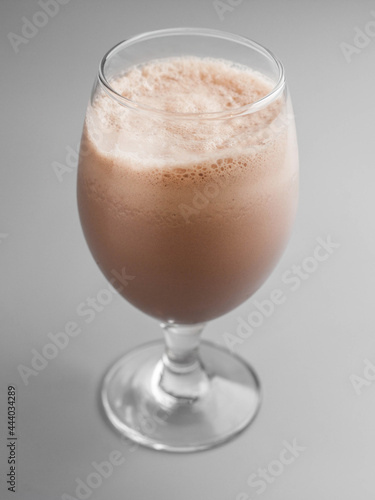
186,213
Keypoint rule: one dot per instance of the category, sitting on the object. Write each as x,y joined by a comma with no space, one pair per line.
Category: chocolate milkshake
197,207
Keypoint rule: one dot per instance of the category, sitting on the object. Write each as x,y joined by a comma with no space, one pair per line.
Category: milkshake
196,208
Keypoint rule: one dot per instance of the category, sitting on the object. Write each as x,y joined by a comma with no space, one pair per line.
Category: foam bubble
181,85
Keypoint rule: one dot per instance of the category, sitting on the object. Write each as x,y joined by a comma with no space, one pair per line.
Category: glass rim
252,107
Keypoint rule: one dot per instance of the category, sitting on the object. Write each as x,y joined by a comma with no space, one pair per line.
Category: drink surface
198,210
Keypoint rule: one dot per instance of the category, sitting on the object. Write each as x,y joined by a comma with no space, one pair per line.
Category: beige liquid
198,211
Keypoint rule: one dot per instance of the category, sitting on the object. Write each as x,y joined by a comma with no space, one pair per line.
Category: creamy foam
183,85
198,209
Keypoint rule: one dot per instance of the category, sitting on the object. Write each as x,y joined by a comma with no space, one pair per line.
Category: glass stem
182,374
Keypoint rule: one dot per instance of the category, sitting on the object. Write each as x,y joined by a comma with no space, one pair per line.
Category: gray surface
304,353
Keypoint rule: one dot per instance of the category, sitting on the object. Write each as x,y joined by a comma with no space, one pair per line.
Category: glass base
141,410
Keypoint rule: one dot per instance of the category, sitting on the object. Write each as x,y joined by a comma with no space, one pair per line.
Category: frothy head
182,85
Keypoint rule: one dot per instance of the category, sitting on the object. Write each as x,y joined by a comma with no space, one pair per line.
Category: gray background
305,353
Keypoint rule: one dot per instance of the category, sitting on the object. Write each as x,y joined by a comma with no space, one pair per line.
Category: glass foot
135,402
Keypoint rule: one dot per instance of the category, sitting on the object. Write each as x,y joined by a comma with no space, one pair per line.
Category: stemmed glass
186,233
